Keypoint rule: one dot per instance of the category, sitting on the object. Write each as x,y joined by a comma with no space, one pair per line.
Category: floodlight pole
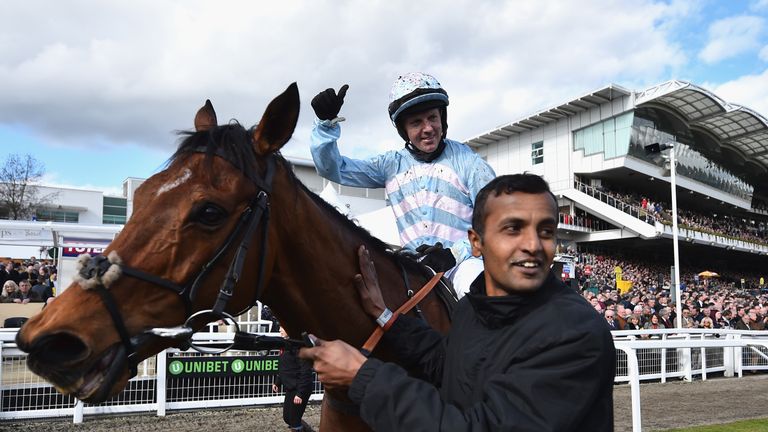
658,148
676,248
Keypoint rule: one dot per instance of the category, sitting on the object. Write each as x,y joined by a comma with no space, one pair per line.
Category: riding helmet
416,92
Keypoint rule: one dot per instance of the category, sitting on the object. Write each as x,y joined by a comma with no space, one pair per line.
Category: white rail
642,355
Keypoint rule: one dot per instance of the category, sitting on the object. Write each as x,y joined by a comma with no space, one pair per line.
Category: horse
224,188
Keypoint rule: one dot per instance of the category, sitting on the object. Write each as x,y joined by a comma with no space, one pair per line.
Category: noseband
99,272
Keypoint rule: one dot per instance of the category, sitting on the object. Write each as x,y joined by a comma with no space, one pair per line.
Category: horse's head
188,223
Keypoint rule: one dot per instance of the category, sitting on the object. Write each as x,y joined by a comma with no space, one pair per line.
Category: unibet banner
196,367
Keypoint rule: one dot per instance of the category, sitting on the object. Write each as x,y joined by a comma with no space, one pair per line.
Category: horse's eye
210,214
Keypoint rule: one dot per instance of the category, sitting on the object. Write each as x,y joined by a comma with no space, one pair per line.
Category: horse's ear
278,122
206,117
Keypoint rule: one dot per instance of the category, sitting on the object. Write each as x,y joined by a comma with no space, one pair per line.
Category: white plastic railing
665,354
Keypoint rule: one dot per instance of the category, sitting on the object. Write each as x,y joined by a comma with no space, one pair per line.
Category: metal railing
635,211
583,223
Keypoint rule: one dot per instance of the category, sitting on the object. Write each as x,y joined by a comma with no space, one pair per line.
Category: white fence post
664,361
633,374
687,363
728,358
160,383
78,416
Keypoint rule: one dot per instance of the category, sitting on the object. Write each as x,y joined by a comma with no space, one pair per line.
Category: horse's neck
312,279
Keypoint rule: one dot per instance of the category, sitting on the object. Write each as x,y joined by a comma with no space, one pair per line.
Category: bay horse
224,188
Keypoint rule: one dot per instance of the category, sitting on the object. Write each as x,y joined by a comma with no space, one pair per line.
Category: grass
757,425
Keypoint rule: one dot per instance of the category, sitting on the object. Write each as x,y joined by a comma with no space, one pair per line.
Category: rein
378,332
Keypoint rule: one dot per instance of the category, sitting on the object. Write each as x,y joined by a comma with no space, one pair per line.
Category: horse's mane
233,143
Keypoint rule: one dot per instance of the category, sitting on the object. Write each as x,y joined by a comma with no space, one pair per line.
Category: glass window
610,137
114,208
113,220
57,216
655,126
537,153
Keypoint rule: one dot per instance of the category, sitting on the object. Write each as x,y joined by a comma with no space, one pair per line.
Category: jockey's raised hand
327,103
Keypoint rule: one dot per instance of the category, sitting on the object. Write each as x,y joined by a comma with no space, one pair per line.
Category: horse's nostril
58,348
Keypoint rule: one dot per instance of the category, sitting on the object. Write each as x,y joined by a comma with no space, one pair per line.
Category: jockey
431,183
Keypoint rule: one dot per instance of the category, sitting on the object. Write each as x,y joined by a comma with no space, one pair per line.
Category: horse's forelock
232,142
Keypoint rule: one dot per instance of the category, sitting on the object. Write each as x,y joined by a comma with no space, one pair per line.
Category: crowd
755,231
30,281
705,302
752,229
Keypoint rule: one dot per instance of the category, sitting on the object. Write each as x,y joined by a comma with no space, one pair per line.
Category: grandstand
615,200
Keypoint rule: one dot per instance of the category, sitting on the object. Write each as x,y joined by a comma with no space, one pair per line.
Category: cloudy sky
96,90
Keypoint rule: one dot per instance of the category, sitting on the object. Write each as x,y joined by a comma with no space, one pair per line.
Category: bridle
94,270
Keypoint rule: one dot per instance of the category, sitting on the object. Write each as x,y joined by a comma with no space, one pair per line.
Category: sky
97,91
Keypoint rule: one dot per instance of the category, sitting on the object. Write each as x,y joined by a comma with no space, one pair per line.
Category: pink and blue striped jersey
432,202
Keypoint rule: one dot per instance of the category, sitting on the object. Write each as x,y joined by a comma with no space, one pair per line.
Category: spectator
664,318
745,323
756,321
651,303
621,316
295,376
638,311
25,295
10,288
13,273
42,291
3,273
721,321
633,323
610,318
654,323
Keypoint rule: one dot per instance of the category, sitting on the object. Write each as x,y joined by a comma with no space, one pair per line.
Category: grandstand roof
541,118
741,133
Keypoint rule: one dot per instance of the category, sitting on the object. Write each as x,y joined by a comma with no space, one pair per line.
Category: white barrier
665,354
630,347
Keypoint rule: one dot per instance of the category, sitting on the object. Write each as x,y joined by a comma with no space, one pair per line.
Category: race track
664,406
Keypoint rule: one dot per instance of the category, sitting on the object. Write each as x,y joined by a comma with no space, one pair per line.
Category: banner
12,235
77,251
623,286
206,367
